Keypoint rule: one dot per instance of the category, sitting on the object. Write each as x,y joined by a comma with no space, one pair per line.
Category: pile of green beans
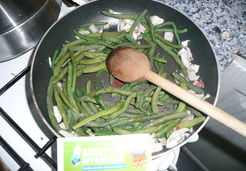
136,107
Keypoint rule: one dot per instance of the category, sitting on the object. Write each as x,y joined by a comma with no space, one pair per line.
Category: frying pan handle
198,103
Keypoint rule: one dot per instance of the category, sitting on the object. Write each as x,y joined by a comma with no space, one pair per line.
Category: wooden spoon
130,65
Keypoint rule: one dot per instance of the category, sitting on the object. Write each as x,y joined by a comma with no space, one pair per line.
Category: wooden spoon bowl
127,64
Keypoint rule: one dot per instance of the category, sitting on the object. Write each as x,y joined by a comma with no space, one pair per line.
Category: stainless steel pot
22,24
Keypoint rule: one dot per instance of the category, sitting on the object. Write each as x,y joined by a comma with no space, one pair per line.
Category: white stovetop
14,103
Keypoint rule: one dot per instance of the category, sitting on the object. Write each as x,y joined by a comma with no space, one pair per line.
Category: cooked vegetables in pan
89,101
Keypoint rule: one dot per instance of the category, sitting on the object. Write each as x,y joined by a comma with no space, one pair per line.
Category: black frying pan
62,31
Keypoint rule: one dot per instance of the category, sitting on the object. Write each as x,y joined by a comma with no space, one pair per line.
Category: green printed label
124,152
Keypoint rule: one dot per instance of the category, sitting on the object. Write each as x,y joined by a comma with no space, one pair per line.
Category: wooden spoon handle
198,103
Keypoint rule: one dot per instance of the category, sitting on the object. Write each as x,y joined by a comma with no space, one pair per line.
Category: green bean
103,123
130,38
162,60
137,125
94,68
65,100
88,91
171,30
64,87
146,94
55,55
93,107
60,75
102,84
100,72
94,35
114,34
181,105
72,118
145,26
148,99
154,100
136,21
168,133
151,50
95,41
59,64
111,39
96,124
111,79
125,107
134,111
115,37
119,16
111,90
172,101
149,130
87,99
174,29
92,61
101,102
166,118
191,123
93,23
81,109
151,27
168,127
105,132
49,100
79,67
153,116
123,122
138,96
134,86
181,79
87,109
61,108
80,132
175,56
88,87
147,38
134,45
74,70
194,111
98,115
85,47
66,47
167,42
131,115
79,57
94,54
89,132
69,86
164,98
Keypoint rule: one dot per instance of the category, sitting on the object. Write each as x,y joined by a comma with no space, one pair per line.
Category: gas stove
25,144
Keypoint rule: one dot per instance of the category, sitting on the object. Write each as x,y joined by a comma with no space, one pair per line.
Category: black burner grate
40,152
